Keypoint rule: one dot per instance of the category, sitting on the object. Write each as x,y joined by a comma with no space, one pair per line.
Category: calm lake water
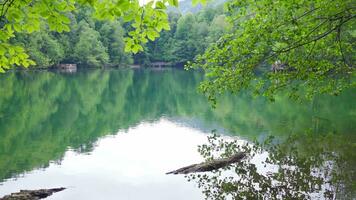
113,134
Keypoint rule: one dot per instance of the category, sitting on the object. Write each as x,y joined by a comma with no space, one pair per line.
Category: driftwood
210,165
31,194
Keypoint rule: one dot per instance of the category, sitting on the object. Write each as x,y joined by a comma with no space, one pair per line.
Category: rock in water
31,194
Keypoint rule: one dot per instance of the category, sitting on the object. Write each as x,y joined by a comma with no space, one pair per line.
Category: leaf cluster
29,16
300,47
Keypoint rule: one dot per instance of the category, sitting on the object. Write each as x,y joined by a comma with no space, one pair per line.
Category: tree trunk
31,194
210,165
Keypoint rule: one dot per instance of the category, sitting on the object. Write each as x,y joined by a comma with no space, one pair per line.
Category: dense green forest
266,46
246,45
96,43
190,35
90,42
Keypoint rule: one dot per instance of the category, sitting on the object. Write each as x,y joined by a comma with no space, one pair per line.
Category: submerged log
210,165
32,194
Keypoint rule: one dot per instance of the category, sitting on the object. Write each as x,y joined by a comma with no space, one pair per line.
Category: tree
89,50
189,36
161,49
43,48
112,35
28,16
301,47
186,35
219,26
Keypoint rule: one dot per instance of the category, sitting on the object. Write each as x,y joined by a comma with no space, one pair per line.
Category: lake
113,134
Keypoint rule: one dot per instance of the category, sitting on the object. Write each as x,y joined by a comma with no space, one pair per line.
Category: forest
96,43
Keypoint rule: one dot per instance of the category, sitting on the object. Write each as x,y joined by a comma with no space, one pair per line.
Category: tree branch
316,38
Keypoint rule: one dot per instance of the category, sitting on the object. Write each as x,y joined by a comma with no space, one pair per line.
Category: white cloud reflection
129,165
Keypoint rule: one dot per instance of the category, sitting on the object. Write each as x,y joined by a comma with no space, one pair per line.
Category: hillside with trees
190,35
92,42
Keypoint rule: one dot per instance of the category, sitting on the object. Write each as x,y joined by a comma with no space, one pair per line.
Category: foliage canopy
303,47
28,16
190,35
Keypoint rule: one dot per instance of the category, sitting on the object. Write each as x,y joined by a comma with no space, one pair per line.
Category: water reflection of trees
303,166
44,113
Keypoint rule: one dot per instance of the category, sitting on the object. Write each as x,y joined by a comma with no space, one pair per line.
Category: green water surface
44,113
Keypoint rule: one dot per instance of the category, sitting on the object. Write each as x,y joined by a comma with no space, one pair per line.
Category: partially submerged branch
209,165
32,194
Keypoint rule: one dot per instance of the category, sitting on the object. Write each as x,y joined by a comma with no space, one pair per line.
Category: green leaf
173,3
